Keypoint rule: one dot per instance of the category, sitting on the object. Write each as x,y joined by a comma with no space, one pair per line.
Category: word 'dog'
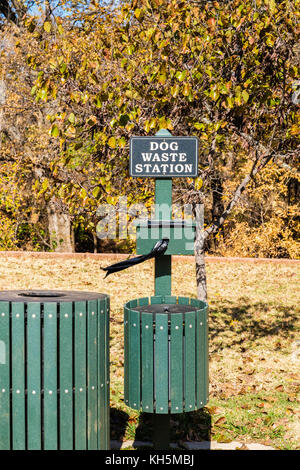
154,145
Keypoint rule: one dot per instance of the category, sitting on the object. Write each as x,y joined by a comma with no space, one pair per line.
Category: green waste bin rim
55,296
166,299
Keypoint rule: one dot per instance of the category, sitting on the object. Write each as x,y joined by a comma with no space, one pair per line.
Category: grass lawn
253,327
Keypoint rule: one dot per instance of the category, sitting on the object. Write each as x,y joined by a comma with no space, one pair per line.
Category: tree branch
287,167
259,163
7,11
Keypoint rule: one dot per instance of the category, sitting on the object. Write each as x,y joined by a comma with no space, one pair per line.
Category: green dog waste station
166,337
54,370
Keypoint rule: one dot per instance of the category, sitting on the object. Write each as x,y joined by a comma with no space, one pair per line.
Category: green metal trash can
54,370
166,354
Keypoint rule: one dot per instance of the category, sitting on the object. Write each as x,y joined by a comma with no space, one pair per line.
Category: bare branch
7,11
259,163
261,148
287,167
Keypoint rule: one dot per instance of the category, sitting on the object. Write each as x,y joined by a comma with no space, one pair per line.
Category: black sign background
164,157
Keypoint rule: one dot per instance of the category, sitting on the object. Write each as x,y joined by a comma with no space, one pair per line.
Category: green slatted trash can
166,354
54,370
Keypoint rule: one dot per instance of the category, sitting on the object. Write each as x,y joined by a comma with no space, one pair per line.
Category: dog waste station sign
164,157
165,336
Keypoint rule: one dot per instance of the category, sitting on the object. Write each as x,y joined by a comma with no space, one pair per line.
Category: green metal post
163,267
161,431
163,197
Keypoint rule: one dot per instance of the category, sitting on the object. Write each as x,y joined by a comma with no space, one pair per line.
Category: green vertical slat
34,424
170,299
147,362
107,370
18,376
4,377
101,367
201,358
183,300
92,375
206,355
50,377
126,355
66,375
195,302
105,376
80,375
176,363
190,362
135,360
161,360
156,299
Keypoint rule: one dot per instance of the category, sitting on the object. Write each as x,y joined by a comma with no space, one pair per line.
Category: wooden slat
161,363
170,299
18,376
143,301
101,376
156,299
66,375
183,300
134,359
80,375
190,361
206,355
201,358
147,362
34,423
92,367
126,355
133,303
107,372
4,377
176,363
50,376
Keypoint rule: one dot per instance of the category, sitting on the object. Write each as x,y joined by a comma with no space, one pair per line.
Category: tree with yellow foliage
224,71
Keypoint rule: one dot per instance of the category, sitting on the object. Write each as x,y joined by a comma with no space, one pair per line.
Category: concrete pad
213,445
195,445
126,444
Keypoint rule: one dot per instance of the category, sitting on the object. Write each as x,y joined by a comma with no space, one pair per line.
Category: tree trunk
2,103
95,240
217,201
59,224
199,254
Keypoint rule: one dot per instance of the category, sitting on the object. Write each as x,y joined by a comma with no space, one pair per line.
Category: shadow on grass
232,325
194,426
118,424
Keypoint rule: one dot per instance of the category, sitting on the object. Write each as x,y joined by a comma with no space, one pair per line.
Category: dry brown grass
254,320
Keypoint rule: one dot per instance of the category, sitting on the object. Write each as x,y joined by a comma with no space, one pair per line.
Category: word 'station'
163,157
